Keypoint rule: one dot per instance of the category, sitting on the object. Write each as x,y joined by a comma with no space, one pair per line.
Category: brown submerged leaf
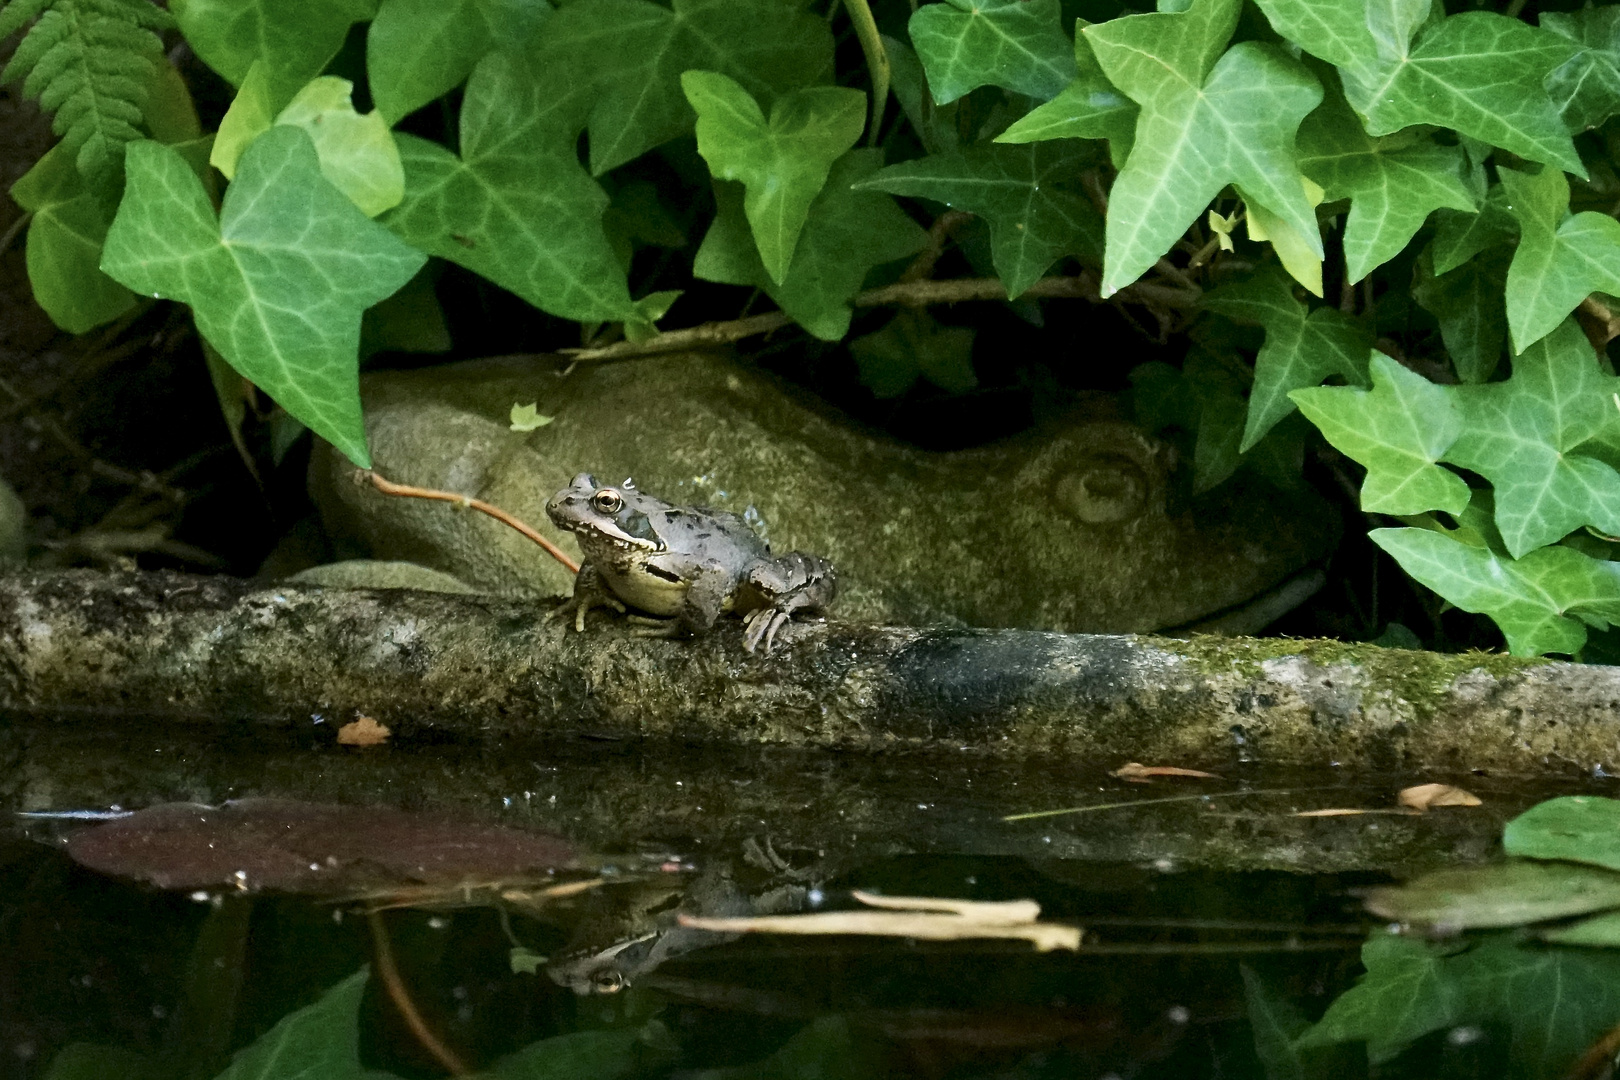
302,847
1137,773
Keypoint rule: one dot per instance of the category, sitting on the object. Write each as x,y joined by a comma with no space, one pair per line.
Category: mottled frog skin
684,565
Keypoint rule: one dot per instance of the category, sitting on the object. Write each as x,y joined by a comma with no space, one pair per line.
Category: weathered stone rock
220,651
1078,526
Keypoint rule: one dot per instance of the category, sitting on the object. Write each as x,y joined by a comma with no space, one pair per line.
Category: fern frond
18,12
92,63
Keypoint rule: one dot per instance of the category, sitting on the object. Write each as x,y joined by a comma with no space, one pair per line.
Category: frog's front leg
792,583
708,585
589,592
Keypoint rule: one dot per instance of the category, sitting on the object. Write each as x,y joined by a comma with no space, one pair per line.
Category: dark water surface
1217,925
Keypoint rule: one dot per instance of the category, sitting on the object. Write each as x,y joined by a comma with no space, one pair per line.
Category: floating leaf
1241,110
782,162
310,848
1028,195
1399,429
277,283
1018,45
1504,894
1523,435
1302,347
1579,828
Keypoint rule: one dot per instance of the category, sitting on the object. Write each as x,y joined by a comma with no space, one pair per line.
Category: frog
682,567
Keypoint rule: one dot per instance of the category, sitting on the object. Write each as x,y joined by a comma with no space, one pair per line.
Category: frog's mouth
626,542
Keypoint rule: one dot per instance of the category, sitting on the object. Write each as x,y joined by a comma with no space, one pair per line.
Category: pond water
1218,927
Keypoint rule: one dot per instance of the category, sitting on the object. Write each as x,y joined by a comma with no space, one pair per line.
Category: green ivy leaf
782,162
1240,111
516,207
913,345
1482,74
1562,258
1404,995
418,50
1017,45
1088,108
1497,895
295,38
1478,72
1553,1002
1579,828
64,243
321,1039
357,151
277,283
1393,184
1586,88
1302,347
1459,237
1028,195
935,124
848,232
1523,435
1397,430
1537,601
1468,303
1204,398
627,57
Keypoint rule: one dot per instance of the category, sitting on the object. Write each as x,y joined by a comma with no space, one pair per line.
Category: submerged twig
388,972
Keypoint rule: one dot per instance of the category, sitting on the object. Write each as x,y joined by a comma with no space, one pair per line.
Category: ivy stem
1082,286
877,61
388,487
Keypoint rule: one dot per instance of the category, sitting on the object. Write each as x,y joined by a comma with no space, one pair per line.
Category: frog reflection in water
685,565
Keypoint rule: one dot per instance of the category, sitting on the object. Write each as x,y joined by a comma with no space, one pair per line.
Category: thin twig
914,294
922,267
15,228
388,972
1033,814
388,487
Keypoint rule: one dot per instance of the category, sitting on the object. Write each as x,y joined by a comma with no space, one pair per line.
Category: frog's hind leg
793,583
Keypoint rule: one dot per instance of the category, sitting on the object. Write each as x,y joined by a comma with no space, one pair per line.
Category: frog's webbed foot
793,583
589,592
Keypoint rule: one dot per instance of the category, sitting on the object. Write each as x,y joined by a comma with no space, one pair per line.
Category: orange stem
389,973
388,487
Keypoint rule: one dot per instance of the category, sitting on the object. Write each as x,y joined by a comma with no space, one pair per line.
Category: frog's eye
608,501
607,981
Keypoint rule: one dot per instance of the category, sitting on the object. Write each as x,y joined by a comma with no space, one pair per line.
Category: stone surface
224,654
1080,526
